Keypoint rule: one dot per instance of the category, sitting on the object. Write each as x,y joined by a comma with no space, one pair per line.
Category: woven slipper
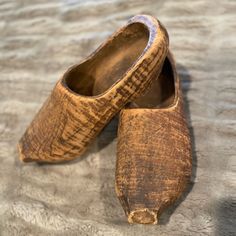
89,94
154,151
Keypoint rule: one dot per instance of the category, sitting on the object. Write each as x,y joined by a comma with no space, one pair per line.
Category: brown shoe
154,151
92,92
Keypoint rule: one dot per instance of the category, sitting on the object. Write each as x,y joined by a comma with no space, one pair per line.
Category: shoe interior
162,92
110,63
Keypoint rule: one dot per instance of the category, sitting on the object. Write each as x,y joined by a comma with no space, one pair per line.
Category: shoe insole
109,64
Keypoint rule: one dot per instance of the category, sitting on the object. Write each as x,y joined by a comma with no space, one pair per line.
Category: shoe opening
109,64
162,92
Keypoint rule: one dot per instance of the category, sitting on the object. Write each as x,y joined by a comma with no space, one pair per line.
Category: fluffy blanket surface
39,40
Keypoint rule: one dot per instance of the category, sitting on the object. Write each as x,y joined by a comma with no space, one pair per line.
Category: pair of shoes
153,158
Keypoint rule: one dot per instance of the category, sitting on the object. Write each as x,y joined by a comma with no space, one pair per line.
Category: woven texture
153,158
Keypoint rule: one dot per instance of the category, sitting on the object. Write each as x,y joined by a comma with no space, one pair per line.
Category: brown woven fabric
91,93
154,151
